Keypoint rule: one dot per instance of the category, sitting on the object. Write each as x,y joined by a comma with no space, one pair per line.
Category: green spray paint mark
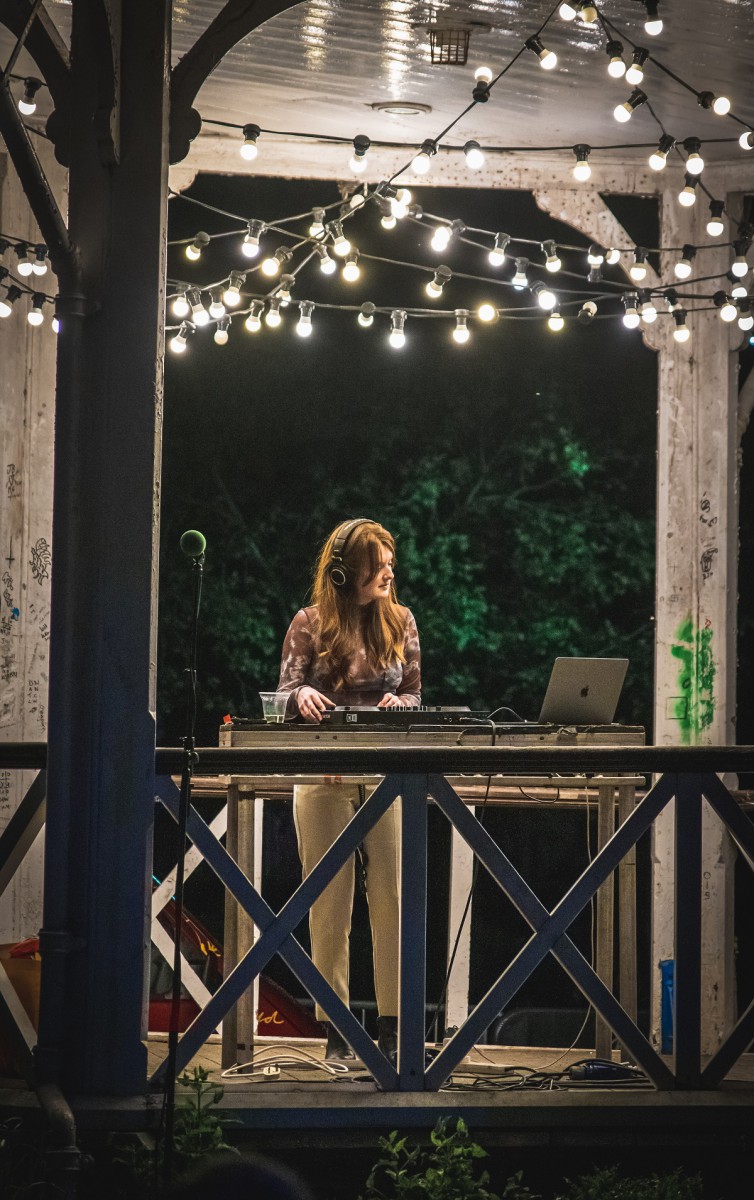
694,708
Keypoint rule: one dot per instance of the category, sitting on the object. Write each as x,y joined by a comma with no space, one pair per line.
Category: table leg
627,911
605,917
461,875
247,1003
229,1055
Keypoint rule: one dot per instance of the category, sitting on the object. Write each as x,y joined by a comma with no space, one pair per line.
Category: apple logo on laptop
584,691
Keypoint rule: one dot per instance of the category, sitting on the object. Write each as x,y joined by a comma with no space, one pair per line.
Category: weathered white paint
27,387
461,883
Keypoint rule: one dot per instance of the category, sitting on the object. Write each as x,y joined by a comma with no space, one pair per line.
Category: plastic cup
273,706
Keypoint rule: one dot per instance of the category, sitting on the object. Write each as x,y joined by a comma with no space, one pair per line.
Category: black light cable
193,545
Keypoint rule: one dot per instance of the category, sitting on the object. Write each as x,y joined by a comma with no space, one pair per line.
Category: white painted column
27,390
696,598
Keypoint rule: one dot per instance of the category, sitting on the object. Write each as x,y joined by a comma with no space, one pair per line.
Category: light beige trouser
320,813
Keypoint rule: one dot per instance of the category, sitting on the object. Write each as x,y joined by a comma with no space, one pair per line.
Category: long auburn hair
344,624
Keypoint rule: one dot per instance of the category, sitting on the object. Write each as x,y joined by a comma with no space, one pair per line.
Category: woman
355,645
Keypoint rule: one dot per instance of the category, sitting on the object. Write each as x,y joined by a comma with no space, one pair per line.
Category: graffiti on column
12,482
40,559
694,706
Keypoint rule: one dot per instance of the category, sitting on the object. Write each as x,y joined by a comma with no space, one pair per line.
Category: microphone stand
190,758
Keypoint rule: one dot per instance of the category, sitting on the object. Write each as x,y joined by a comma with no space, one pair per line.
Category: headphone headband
336,568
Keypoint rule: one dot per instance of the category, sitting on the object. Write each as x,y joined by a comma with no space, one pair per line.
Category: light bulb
552,262
39,262
687,194
194,249
635,72
555,322
250,244
221,332
474,156
631,318
358,160
388,221
180,306
249,148
441,238
547,58
7,302
595,255
638,268
437,283
624,112
216,308
304,326
647,311
317,227
587,312
746,140
694,162
23,262
484,75
397,335
582,171
366,316
179,343
341,244
612,257
745,320
715,224
588,13
271,266
420,165
721,106
728,310
357,165
739,290
544,297
28,103
653,23
683,267
486,312
199,314
659,157
35,316
232,293
55,324
740,267
567,11
326,264
616,67
520,279
352,270
497,253
461,331
681,333
283,293
254,320
356,200
272,316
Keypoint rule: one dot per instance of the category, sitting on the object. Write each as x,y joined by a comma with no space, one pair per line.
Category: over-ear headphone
336,568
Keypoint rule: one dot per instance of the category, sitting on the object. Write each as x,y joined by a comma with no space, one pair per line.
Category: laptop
583,691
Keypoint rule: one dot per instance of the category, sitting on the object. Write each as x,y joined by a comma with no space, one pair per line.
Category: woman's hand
312,704
390,701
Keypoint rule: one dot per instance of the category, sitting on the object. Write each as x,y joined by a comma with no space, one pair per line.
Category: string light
612,256
555,322
304,326
326,264
194,249
179,343
720,105
250,244
351,269
357,162
694,162
587,312
23,262
461,331
746,140
475,159
422,161
715,224
284,288
631,318
28,102
232,293
738,287
400,203
487,312
496,255
595,275
647,310
216,308
366,315
739,266
653,23
659,157
635,72
181,307
221,331
55,324
595,255
638,268
520,280
624,112
582,171
483,77
271,266
397,337
683,267
745,320
341,244
35,315
317,227
544,297
728,310
552,262
616,67
199,314
567,11
249,148
254,320
681,333
441,238
273,316
687,194
588,12
442,276
39,263
547,58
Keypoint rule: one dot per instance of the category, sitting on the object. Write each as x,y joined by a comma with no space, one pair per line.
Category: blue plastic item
667,974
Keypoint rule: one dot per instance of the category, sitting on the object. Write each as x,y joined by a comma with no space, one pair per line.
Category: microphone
193,543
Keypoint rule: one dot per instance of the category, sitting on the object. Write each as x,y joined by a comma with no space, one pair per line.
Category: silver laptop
583,691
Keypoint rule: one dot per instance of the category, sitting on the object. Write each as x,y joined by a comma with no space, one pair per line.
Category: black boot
387,1037
336,1046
